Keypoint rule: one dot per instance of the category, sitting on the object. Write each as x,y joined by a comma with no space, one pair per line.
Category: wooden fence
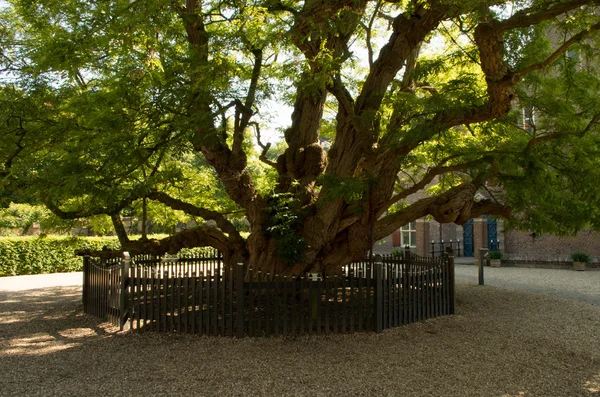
197,295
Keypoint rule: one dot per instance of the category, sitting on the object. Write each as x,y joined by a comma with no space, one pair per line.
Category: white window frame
529,119
409,231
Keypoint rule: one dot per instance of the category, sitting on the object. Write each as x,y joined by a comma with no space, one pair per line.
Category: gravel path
502,342
569,284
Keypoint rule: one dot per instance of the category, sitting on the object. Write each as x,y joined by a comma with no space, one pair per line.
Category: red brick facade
529,246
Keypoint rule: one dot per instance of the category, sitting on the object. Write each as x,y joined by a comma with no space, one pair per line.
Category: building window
529,118
408,235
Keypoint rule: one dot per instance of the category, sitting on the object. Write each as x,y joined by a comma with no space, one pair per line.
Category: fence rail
198,295
439,248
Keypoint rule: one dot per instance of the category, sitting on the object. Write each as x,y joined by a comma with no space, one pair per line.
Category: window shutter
396,239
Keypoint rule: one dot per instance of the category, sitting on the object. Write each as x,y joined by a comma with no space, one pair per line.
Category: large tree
111,103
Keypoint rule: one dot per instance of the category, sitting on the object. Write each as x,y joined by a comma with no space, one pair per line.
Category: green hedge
52,254
55,254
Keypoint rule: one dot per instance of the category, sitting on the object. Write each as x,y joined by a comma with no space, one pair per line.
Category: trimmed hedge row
53,254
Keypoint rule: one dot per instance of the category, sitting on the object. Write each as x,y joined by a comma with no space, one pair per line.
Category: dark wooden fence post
451,279
378,294
482,254
86,271
125,263
239,295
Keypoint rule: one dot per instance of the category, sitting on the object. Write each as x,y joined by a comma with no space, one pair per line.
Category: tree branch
499,79
190,209
534,15
230,166
429,176
454,205
119,228
559,51
114,209
265,148
246,111
368,30
409,30
200,236
548,137
490,207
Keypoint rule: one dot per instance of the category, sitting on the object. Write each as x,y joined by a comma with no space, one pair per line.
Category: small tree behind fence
197,295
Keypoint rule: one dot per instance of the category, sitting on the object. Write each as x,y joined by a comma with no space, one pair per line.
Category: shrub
38,255
495,255
580,257
397,252
55,254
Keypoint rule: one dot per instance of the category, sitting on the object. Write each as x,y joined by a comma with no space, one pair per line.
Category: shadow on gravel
499,344
40,321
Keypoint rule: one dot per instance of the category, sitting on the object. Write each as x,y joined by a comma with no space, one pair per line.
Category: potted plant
579,260
495,258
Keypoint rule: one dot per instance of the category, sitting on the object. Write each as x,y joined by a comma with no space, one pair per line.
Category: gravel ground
502,342
569,284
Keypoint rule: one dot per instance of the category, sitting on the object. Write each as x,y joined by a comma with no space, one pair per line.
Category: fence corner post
239,296
86,270
451,277
125,264
406,252
378,294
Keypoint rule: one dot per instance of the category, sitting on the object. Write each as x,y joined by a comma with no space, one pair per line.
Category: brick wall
384,246
448,231
423,236
519,245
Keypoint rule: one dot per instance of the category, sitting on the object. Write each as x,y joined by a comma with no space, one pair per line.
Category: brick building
428,236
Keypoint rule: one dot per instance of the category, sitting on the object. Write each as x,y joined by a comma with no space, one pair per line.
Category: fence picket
215,312
239,299
276,305
138,297
194,279
378,295
359,299
293,312
230,298
284,306
392,295
222,286
266,293
259,299
420,302
319,300
172,300
411,293
302,309
151,293
250,303
438,284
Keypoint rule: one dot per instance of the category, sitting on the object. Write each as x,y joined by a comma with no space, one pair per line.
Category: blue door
492,234
468,237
